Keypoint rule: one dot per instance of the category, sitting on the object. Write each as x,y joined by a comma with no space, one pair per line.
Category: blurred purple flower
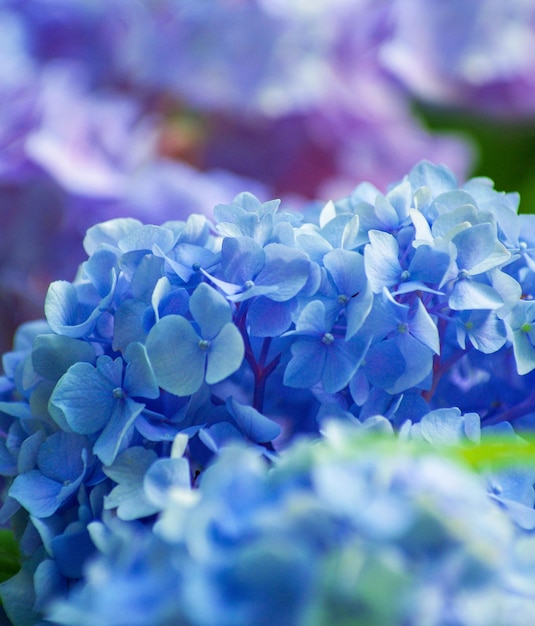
476,55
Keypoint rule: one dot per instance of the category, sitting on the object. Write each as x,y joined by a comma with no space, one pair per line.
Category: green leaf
9,555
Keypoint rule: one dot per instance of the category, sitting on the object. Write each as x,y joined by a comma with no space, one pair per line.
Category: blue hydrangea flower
182,359
408,312
320,537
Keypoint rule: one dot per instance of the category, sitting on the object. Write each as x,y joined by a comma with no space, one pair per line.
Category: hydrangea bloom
347,530
256,328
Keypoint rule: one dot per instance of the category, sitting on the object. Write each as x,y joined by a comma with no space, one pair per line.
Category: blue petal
38,494
347,271
470,294
386,212
267,318
225,354
110,440
145,237
438,178
311,320
65,316
384,363
341,362
285,268
18,597
429,265
418,363
306,365
60,456
108,233
139,379
357,310
219,435
128,325
84,397
162,477
29,449
254,425
524,352
381,260
487,332
478,249
188,258
128,471
101,269
210,310
48,582
72,550
423,328
176,357
242,259
52,355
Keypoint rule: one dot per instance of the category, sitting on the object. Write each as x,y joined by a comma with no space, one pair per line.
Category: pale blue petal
242,259
210,310
478,249
110,440
107,234
381,260
101,269
219,435
225,354
311,320
128,471
418,363
139,379
144,237
357,310
351,237
63,313
176,358
469,294
524,352
438,178
347,271
424,328
386,212
84,397
487,332
286,268
442,427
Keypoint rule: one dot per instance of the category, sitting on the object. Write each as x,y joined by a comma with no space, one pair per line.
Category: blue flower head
409,311
315,535
183,358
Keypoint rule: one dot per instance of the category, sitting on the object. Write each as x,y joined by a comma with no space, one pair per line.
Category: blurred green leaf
505,149
9,555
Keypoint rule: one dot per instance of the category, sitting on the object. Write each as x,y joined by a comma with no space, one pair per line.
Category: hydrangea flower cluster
176,341
345,531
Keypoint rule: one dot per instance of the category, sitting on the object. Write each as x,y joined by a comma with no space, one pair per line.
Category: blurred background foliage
504,150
